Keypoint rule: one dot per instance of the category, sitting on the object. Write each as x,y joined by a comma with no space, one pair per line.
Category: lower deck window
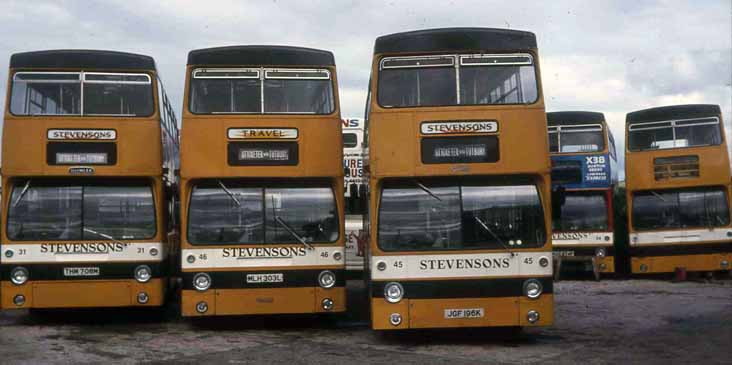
580,211
44,210
680,208
240,212
441,215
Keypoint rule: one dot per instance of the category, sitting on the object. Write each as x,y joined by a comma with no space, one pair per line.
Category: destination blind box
263,153
81,153
483,149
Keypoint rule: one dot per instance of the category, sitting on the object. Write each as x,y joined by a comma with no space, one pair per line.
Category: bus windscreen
109,211
421,216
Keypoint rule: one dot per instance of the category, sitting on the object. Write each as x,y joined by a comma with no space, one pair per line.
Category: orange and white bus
459,213
89,145
261,183
677,173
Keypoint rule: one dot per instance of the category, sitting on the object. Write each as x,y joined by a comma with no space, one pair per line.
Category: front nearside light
600,252
19,275
201,281
393,292
143,273
326,279
533,288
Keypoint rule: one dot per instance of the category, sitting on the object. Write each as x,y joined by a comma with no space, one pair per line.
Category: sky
608,56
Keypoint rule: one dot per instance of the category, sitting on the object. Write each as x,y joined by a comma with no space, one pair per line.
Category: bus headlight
393,292
600,252
201,281
532,288
326,279
201,307
19,300
143,273
327,304
532,316
19,276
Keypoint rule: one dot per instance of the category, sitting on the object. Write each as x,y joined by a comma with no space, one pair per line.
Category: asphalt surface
612,321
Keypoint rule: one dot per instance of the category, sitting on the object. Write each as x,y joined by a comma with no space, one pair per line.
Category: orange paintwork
83,293
204,143
666,264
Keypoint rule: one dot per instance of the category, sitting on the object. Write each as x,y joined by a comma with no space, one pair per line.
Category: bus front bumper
82,294
462,312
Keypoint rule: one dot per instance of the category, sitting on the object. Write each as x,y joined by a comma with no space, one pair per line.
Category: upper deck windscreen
457,79
577,138
261,91
81,94
660,135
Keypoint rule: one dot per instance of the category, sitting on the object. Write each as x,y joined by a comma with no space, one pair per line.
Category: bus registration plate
264,278
464,313
81,271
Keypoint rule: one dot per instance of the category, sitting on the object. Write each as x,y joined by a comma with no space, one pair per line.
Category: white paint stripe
681,237
570,239
246,257
461,265
81,252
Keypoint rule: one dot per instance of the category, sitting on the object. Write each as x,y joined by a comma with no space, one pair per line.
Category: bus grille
678,167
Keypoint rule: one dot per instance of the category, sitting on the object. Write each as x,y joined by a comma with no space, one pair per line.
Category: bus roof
82,58
455,39
673,112
261,55
574,118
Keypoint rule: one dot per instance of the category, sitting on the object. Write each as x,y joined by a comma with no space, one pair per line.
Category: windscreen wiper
229,193
487,229
657,195
103,235
292,232
22,193
426,190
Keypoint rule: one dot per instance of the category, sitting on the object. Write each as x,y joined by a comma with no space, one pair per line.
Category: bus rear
584,174
459,213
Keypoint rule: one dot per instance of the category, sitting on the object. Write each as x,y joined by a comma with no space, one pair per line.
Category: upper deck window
644,136
576,138
261,91
446,80
81,94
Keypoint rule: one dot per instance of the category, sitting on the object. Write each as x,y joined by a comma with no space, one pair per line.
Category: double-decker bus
261,183
677,174
584,174
88,145
356,185
459,172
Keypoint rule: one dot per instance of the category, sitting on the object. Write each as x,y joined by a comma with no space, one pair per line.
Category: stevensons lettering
459,127
264,252
83,248
82,134
460,264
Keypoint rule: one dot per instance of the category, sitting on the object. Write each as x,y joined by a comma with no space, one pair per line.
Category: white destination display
459,127
82,134
81,271
464,313
582,238
265,278
262,133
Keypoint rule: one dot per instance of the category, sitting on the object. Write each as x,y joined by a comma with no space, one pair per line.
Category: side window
613,153
367,111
